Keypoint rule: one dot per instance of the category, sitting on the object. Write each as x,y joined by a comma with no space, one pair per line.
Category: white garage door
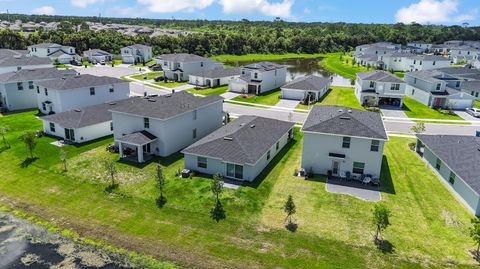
292,94
461,103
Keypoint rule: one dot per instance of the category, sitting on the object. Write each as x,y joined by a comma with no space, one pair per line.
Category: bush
412,145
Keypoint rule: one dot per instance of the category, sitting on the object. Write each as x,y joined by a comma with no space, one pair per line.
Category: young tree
217,213
160,183
475,235
111,170
418,128
3,132
290,209
30,140
381,221
63,158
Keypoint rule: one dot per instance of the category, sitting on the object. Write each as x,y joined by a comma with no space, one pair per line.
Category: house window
19,68
92,91
202,162
451,178
414,61
30,85
415,81
201,64
268,155
375,145
44,107
457,84
438,164
277,146
358,167
372,84
194,115
194,133
38,89
438,86
395,87
255,75
20,86
476,94
146,123
433,63
413,91
473,93
234,171
46,92
111,89
420,62
346,142
52,127
111,126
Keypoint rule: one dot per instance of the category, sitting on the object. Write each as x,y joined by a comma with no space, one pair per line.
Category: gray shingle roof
471,85
85,116
345,121
80,81
138,138
138,46
460,153
35,74
46,45
264,66
437,58
183,58
308,83
24,61
4,53
165,106
459,71
378,75
92,52
219,73
238,142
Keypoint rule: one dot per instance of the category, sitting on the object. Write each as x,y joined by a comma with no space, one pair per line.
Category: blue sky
363,11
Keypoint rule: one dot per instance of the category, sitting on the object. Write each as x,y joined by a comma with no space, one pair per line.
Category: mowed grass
333,63
270,98
429,227
415,109
148,76
171,84
209,91
263,57
338,96
477,104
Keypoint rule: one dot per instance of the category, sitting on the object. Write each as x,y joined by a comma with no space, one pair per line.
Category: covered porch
136,146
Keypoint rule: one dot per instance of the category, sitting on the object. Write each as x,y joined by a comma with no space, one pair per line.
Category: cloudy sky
364,11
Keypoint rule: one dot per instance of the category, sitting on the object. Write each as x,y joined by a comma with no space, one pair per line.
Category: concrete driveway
230,95
394,112
466,116
290,104
184,87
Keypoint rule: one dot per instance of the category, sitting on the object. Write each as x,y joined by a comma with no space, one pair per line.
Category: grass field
333,63
339,96
171,84
218,90
477,104
263,57
270,98
415,109
429,227
148,76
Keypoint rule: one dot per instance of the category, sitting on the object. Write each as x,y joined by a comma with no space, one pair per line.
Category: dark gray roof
183,58
429,58
80,81
245,140
165,106
24,60
378,75
345,121
92,52
85,116
308,83
46,45
264,66
138,46
458,71
460,153
9,53
219,73
471,85
35,74
138,138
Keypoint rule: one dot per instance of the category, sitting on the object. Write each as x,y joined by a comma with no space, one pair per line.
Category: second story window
421,62
255,75
194,133
20,86
457,84
194,115
111,126
268,155
146,123
52,127
201,64
375,145
30,85
111,89
346,142
372,84
395,87
438,86
438,164
38,89
92,91
46,92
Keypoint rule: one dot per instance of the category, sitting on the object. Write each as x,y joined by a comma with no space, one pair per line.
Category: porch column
401,102
140,154
120,149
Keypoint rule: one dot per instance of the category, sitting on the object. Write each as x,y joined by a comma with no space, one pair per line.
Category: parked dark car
156,67
159,78
76,63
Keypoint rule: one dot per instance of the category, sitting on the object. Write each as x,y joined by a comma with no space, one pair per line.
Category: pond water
299,67
27,245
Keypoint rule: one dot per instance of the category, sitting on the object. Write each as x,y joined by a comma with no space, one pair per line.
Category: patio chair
366,180
342,175
375,181
347,176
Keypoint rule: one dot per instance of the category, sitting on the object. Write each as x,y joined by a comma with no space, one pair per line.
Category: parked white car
474,112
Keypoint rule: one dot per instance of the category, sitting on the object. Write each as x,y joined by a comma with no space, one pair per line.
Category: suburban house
310,88
455,159
421,46
259,78
241,149
400,61
437,89
97,55
461,52
214,77
67,93
81,124
21,61
163,125
64,54
376,88
17,89
472,88
136,53
179,66
339,140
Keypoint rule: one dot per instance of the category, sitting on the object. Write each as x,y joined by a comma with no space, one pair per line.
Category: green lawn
269,98
217,90
146,64
263,57
148,76
429,227
171,84
415,109
477,104
117,62
333,63
339,96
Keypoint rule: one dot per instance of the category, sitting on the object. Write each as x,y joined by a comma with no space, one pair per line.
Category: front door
335,167
438,102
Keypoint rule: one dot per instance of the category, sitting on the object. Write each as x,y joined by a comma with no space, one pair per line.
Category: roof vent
17,56
228,138
349,111
252,126
340,111
345,118
152,100
112,103
77,110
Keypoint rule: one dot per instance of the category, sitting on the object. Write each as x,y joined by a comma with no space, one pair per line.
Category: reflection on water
26,245
301,67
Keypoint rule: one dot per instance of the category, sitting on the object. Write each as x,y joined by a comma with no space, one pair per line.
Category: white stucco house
97,55
422,46
239,150
67,93
310,88
438,88
64,54
405,62
214,77
163,125
258,78
341,140
376,88
13,62
179,66
17,89
136,53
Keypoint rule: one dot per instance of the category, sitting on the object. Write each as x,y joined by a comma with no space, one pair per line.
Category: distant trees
217,213
3,132
30,141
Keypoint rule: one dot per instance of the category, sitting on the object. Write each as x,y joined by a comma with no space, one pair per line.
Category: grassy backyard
263,57
333,63
270,98
217,90
429,228
148,76
171,84
340,96
415,109
477,104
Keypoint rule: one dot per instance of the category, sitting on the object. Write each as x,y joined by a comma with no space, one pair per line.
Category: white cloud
433,11
84,3
276,9
168,6
307,10
45,10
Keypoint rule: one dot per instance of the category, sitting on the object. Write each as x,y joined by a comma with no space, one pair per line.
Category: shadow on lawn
27,162
385,246
164,161
386,182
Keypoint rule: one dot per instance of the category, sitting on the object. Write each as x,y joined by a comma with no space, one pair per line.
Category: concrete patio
354,188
